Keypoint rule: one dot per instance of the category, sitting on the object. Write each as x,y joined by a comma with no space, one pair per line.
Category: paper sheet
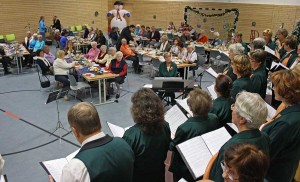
216,139
117,131
182,180
148,85
195,155
212,92
275,66
72,155
55,167
183,104
271,112
267,49
212,72
175,118
2,179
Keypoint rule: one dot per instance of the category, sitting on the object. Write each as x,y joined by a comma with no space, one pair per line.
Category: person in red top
202,37
130,55
117,66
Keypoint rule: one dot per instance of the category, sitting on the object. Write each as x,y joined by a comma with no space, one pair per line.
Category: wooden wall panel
16,14
265,16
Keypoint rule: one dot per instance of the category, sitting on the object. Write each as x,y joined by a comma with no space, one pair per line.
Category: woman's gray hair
119,53
216,34
103,46
93,43
251,107
258,43
123,40
112,49
237,48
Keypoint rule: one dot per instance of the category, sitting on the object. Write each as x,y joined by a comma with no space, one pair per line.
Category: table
10,50
185,66
100,78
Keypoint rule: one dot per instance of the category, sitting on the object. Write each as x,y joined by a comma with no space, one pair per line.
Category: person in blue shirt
63,40
216,41
42,27
33,42
137,29
40,43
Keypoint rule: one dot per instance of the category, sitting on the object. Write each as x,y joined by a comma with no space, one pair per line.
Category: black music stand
169,88
55,96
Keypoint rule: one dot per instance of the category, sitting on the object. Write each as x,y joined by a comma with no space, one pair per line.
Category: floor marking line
12,115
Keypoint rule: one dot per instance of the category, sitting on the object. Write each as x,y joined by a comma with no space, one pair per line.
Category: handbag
45,84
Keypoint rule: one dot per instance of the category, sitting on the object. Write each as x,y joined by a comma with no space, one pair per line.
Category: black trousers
135,61
63,79
4,62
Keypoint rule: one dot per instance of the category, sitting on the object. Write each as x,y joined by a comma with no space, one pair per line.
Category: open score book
197,151
55,167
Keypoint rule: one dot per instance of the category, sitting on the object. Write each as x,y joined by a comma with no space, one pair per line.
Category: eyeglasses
227,171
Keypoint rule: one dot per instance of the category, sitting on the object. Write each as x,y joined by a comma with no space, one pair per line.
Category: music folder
212,92
117,131
184,105
175,117
212,72
55,167
197,151
277,66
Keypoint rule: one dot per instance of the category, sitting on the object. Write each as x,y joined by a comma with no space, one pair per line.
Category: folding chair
75,86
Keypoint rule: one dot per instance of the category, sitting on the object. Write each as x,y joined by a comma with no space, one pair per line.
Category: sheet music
195,154
233,126
271,112
275,65
267,49
183,104
175,118
211,90
72,155
117,131
55,167
216,139
148,85
182,180
2,179
212,72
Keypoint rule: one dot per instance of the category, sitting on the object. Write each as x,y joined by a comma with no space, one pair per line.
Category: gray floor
25,122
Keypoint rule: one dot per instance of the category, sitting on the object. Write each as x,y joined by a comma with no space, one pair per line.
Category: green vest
240,84
291,60
163,71
254,137
284,133
194,126
150,152
231,74
108,159
222,108
259,81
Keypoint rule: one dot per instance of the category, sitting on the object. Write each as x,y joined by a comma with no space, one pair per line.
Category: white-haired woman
118,67
190,58
91,35
102,53
93,52
249,112
130,55
216,41
105,62
61,68
234,49
165,45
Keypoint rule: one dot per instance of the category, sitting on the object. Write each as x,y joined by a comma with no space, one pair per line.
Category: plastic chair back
199,50
79,27
1,37
156,62
10,37
73,28
72,80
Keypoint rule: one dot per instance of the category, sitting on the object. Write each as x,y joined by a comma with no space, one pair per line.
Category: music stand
55,96
170,87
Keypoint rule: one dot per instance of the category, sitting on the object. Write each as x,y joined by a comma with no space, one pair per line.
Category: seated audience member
202,122
48,54
174,48
114,35
101,157
239,39
28,58
165,45
130,55
61,69
103,52
148,32
244,162
258,43
91,36
154,37
202,37
186,36
100,38
5,61
137,29
193,33
229,40
70,49
171,26
1,164
182,51
259,76
290,46
63,40
281,36
242,69
32,42
27,40
248,112
93,52
57,36
86,31
105,62
39,44
268,38
216,41
168,69
234,49
143,32
222,104
69,31
149,138
118,66
190,58
45,65
283,128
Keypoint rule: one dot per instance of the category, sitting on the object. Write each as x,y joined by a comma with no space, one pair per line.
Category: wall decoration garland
235,11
